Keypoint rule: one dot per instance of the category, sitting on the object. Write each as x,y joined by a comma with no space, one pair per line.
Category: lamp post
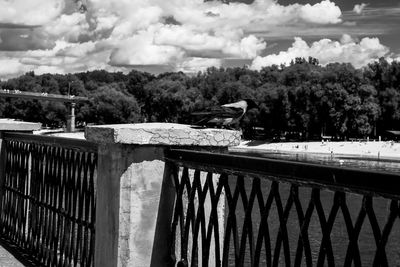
71,116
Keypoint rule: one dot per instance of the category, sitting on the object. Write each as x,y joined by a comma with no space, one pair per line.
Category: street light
71,116
69,87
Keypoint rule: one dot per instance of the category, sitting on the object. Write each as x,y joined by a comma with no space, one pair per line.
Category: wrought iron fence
235,210
48,198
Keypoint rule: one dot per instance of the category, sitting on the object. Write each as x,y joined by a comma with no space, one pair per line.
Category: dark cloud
170,20
23,40
206,53
235,62
16,26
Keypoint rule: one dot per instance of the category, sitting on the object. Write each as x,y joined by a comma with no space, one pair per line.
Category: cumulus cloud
359,8
327,51
325,12
140,49
195,64
193,40
32,12
77,50
63,58
119,34
11,66
201,29
70,27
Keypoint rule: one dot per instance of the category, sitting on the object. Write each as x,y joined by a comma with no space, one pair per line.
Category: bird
224,116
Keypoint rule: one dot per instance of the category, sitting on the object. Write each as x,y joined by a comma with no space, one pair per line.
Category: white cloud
141,19
32,12
63,58
140,50
251,46
359,8
196,64
394,58
346,39
205,28
77,50
9,67
186,38
327,51
69,27
118,34
325,12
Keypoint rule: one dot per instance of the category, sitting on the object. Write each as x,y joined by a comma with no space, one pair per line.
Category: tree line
304,98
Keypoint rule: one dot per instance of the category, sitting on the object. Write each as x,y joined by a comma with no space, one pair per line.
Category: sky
60,36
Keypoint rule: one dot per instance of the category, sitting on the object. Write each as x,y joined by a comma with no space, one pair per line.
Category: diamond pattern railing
241,211
47,208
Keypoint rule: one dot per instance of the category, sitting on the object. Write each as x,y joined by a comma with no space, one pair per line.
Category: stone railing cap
13,125
161,134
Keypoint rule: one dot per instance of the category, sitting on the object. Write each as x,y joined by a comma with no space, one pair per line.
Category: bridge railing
167,194
47,206
280,213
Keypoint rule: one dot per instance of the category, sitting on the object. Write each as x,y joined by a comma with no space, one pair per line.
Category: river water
383,165
339,235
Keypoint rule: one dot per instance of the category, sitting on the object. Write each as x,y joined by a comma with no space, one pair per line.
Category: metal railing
226,210
48,198
233,210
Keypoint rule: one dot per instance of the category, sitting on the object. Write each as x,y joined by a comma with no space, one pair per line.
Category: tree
390,107
108,105
164,101
233,91
136,83
305,97
274,108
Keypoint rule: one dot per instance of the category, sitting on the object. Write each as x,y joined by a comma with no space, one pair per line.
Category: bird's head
250,103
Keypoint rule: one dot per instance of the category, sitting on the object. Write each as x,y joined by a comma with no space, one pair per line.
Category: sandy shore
376,150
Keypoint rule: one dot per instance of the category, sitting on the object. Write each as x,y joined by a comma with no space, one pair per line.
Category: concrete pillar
132,179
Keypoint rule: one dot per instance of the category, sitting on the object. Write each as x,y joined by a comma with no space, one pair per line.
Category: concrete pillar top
170,134
21,126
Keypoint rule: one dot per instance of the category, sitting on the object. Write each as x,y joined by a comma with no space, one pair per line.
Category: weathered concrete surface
128,181
23,126
170,134
135,189
7,259
139,199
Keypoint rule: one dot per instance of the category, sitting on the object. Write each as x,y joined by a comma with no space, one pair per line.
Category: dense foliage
305,98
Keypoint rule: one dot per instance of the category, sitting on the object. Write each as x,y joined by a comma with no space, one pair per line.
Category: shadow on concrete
24,257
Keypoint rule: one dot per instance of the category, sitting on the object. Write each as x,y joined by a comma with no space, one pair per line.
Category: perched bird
225,116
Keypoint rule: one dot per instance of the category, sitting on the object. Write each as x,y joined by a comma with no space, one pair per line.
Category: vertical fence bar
161,255
3,161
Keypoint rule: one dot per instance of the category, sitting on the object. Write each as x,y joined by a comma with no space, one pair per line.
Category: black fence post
161,255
